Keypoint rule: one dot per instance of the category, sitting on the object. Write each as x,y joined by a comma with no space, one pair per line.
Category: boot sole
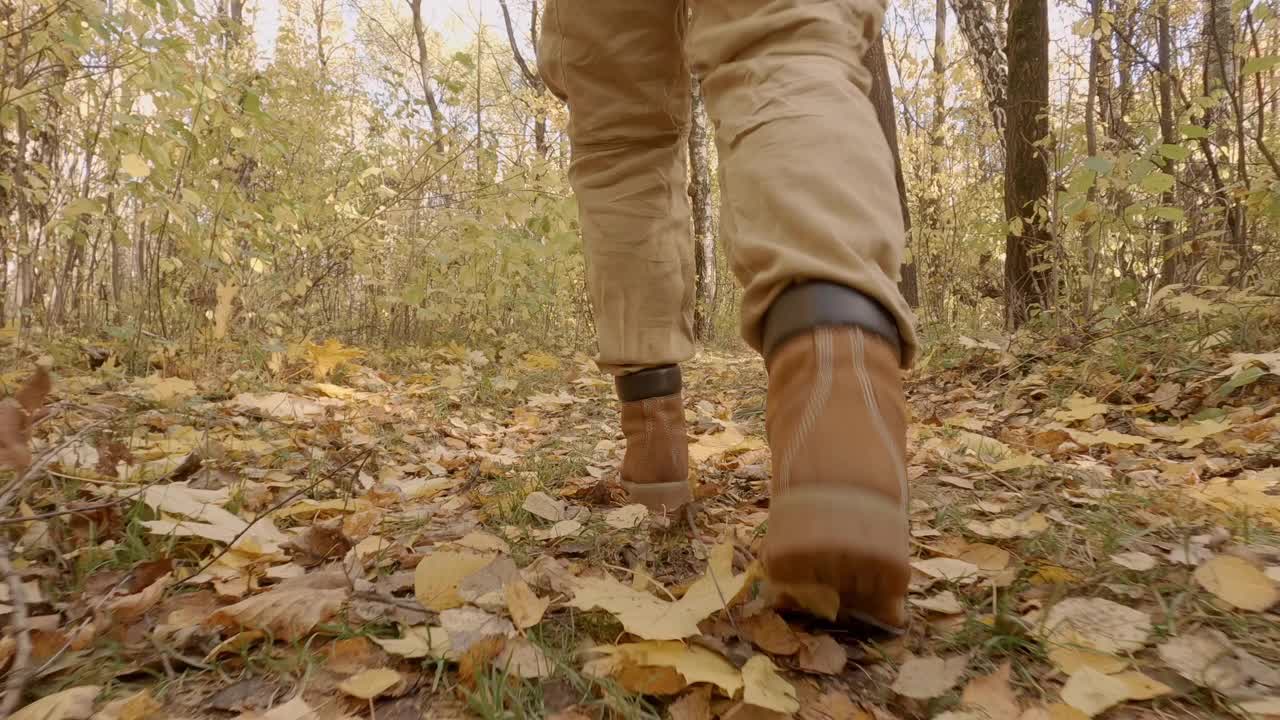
849,540
660,497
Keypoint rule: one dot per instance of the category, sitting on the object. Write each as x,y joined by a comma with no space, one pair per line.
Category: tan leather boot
655,467
836,419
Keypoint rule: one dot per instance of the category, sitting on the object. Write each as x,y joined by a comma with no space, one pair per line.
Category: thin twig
17,681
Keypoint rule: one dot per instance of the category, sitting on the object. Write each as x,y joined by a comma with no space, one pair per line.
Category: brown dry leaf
523,659
132,607
989,558
626,517
1096,624
769,632
544,506
993,695
1236,581
371,683
234,644
523,603
287,614
438,575
71,704
467,626
483,542
295,709
832,705
693,705
924,678
15,419
821,654
764,687
138,706
1092,692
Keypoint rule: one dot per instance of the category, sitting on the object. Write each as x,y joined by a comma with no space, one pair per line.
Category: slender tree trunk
424,74
882,99
1028,275
1092,231
1170,241
974,19
704,241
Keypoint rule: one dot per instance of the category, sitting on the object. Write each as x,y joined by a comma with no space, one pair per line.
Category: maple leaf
325,358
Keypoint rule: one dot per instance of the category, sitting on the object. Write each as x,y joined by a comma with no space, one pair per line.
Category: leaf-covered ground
1096,532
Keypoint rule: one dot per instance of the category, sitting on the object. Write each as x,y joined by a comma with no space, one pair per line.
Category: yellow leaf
694,663
72,704
928,677
436,579
993,695
987,557
1078,407
135,165
1196,433
169,392
335,391
1070,659
1096,624
288,613
525,606
1107,437
651,618
138,706
540,361
1256,492
418,641
949,569
326,357
1092,692
1142,687
1238,582
1053,575
370,683
713,444
764,687
1007,528
226,294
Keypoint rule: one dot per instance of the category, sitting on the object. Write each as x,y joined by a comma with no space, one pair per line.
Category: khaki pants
806,178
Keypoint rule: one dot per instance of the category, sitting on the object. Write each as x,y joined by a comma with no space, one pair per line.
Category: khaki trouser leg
807,180
620,67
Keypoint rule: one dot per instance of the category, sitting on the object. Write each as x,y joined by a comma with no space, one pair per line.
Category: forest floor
1096,531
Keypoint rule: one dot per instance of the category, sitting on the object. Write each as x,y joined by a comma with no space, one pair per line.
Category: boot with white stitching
836,419
655,466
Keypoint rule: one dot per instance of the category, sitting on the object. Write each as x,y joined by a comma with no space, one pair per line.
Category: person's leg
816,238
619,65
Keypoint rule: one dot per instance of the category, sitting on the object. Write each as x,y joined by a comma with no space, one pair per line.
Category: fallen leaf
693,705
295,709
764,687
370,683
325,358
132,607
1106,437
523,659
234,645
651,618
287,614
483,542
544,506
626,517
1092,692
1097,624
924,678
71,704
987,557
1071,659
1206,658
949,569
467,626
693,663
944,602
821,654
1078,407
832,705
993,696
1008,528
418,641
712,444
438,575
284,406
138,706
959,482
1142,687
769,632
523,603
1137,561
1266,707
1236,581
562,529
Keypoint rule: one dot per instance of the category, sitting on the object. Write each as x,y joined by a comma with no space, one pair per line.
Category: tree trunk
1027,274
424,74
704,241
882,99
1092,231
979,29
1170,242
1220,77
